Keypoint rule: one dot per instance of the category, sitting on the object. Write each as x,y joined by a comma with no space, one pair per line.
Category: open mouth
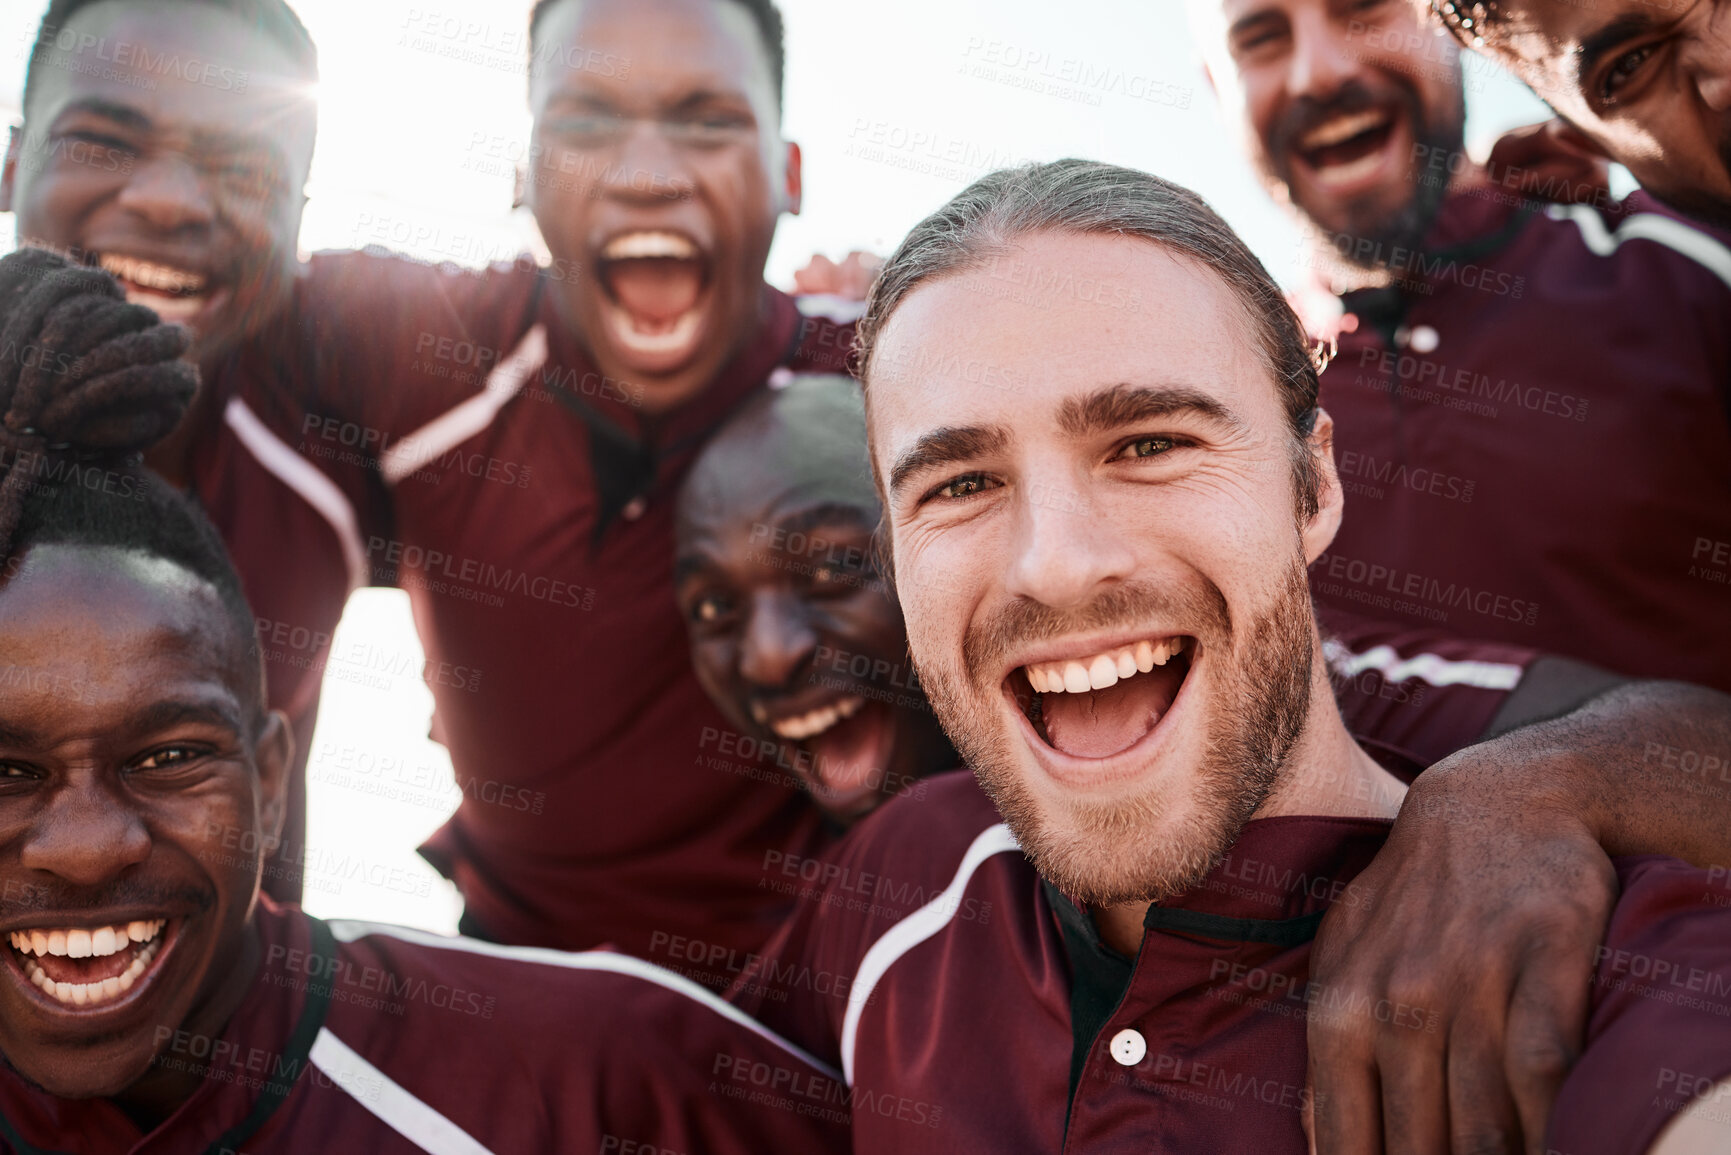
1103,704
176,295
89,966
653,284
1350,147
849,741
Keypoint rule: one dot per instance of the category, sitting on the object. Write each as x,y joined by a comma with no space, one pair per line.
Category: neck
1326,775
161,1090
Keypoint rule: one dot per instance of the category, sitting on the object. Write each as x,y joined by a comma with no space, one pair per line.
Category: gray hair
1081,196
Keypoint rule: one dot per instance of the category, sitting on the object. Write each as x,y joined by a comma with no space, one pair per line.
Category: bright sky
896,104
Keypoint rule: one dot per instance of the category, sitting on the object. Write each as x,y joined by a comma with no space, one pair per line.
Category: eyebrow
162,715
107,109
1608,39
1123,405
945,446
827,513
1251,23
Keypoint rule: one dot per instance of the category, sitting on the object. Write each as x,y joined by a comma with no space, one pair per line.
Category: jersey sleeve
397,343
1414,693
1659,1032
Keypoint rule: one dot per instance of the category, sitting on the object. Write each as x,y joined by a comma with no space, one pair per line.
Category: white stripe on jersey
386,1098
1429,668
348,930
305,479
470,416
1692,243
913,930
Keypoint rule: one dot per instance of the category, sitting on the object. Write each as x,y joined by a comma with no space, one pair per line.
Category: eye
709,608
14,771
101,140
1623,70
165,757
960,488
1147,447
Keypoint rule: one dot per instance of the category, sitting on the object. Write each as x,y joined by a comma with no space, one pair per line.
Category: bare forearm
1646,766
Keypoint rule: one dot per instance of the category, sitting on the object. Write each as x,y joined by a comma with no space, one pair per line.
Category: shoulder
1644,235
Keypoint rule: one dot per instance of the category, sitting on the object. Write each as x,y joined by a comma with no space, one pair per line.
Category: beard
1709,209
1366,221
1155,844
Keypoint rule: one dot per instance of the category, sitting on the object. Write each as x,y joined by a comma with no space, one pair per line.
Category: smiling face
1343,107
1103,576
184,182
139,783
794,633
1648,82
659,173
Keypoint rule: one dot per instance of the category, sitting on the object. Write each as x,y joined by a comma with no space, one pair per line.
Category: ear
274,757
1319,531
9,174
794,186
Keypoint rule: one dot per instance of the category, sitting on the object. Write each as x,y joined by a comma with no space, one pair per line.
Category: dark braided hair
87,383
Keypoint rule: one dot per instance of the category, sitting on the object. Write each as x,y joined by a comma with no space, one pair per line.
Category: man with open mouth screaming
795,633
1103,577
150,997
1500,352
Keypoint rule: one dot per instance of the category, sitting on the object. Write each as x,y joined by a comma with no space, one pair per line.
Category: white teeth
149,275
1341,129
100,991
817,721
1076,678
84,942
649,244
1102,670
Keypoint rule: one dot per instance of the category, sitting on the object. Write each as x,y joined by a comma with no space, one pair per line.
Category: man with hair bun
151,997
1104,943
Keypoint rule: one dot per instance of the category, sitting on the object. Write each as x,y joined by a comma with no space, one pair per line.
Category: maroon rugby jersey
293,524
533,530
1533,430
358,1037
980,1011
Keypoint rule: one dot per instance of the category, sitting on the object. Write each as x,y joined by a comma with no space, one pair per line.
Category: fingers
1482,1115
1546,1027
1346,1101
1415,1101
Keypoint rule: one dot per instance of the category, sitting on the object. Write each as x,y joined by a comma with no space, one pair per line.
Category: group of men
769,602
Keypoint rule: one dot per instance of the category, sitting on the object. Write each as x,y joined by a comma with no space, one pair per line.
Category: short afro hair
271,18
764,14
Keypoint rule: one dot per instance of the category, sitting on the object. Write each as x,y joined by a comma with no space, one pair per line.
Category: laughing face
658,174
1103,576
184,182
794,634
139,783
1648,83
1343,107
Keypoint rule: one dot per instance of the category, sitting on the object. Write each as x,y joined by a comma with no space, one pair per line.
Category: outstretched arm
1488,901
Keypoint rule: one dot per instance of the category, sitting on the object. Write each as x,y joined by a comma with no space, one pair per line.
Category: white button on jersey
634,509
1128,1047
1424,339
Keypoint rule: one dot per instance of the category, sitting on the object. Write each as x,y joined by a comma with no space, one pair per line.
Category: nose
1065,549
86,834
1321,61
1708,59
169,192
778,640
648,167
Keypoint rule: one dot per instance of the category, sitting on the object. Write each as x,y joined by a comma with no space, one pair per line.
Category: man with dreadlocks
151,997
